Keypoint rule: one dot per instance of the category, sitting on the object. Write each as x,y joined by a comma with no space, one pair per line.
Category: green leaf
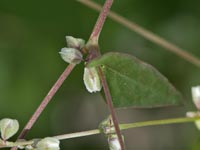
135,83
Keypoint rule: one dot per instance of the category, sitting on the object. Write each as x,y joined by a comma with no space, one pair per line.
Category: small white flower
75,42
48,144
196,96
8,128
114,142
191,114
71,55
91,79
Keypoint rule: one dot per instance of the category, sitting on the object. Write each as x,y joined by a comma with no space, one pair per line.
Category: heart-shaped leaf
135,83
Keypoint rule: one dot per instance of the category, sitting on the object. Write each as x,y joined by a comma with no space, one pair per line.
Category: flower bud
71,55
193,115
113,142
197,124
48,144
107,126
8,128
196,96
75,42
91,79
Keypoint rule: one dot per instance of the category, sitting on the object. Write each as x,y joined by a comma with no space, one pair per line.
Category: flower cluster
72,55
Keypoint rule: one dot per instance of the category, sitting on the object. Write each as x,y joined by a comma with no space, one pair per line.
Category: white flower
196,96
114,142
8,127
75,42
71,55
48,144
91,79
193,115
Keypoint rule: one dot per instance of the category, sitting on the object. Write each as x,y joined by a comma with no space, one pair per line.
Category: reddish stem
94,49
111,107
101,20
46,100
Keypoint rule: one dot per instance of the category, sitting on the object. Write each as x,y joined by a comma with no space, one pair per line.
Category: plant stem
23,143
46,100
101,20
129,126
122,127
147,34
77,134
18,143
158,122
111,107
93,52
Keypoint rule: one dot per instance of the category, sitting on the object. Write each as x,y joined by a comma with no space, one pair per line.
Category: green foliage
135,83
28,35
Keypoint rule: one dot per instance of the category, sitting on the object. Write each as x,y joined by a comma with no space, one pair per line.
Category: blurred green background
33,32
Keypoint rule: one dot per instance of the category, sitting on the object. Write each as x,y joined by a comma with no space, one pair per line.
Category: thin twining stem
46,100
129,126
111,108
122,127
158,122
147,34
77,134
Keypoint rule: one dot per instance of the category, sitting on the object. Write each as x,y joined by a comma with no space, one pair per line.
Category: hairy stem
147,34
45,101
111,107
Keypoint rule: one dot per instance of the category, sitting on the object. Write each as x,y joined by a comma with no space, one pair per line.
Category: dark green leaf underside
134,83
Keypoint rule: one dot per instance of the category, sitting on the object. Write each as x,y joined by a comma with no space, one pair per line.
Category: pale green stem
129,126
157,122
122,127
77,134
